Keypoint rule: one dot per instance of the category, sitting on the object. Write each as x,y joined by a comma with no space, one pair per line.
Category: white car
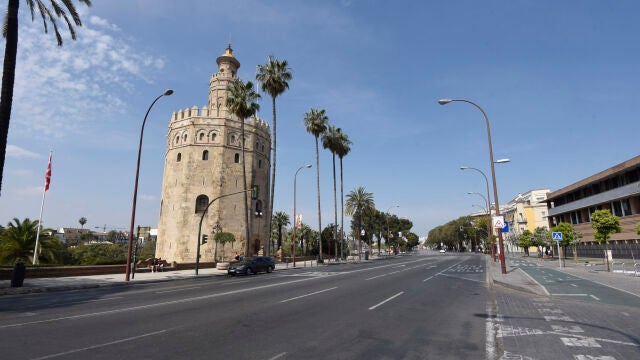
442,251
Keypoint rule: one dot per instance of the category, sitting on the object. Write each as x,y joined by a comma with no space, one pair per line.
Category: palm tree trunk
341,210
318,185
273,169
246,200
8,78
335,209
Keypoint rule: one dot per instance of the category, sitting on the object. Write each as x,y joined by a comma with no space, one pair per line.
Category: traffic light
204,238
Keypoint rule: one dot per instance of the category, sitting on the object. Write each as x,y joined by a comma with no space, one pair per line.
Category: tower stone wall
203,161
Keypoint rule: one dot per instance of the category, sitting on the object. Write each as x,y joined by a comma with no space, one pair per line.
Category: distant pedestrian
237,256
154,265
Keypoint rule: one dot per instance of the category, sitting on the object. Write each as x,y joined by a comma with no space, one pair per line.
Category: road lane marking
595,297
460,277
431,277
490,333
313,293
375,277
51,356
569,294
278,356
384,301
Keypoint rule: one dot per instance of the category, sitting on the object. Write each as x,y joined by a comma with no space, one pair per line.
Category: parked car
250,266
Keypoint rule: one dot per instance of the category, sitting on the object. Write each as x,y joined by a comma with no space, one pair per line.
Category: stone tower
202,162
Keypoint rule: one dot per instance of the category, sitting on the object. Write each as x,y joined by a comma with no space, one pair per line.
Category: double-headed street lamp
295,225
493,173
135,186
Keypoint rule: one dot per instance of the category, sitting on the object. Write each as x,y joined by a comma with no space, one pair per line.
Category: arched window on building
213,137
205,155
184,138
202,136
177,139
236,158
179,157
201,203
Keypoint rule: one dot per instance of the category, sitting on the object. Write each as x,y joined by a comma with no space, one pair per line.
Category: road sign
498,222
556,236
505,229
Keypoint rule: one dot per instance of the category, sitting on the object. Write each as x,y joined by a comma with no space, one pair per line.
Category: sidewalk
38,285
518,279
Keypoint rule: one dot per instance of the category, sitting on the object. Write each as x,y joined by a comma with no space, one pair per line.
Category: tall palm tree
359,202
331,141
274,77
18,241
82,221
10,33
279,220
343,148
241,101
315,122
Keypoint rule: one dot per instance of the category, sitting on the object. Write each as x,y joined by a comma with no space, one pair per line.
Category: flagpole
47,179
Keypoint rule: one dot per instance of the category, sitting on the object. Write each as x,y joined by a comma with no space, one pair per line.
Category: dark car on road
250,266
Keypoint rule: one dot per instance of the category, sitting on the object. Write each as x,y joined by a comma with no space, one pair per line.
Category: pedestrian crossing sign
498,222
556,236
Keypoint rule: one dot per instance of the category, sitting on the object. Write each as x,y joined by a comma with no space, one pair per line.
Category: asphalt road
413,307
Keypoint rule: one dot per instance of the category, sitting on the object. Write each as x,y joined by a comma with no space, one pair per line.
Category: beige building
527,211
204,161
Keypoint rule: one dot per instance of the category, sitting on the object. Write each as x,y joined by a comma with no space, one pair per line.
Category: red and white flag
47,175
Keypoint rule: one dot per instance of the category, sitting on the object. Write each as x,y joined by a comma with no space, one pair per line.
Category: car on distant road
442,251
250,266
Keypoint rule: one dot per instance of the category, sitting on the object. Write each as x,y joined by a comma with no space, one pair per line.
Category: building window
184,138
201,136
205,155
177,139
179,157
236,158
213,137
259,164
202,202
626,207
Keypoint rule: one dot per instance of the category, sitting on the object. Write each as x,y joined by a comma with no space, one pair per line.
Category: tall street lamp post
493,173
489,227
295,223
135,187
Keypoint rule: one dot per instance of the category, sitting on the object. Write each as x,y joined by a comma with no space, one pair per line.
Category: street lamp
488,209
135,186
295,225
493,173
388,232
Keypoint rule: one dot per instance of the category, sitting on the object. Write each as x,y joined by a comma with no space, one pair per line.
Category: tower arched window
236,158
179,157
201,136
213,137
184,137
177,139
205,155
233,139
201,203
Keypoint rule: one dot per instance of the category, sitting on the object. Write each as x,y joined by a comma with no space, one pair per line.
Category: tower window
236,158
179,157
201,203
260,164
205,155
213,137
201,136
177,139
184,138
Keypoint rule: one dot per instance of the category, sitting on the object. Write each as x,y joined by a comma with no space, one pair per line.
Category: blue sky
558,80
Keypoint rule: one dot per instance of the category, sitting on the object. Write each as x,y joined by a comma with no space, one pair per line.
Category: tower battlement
196,115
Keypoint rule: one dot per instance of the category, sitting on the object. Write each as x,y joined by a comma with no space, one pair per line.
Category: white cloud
20,153
60,90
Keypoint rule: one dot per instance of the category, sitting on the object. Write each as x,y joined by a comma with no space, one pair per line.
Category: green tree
569,236
274,77
10,33
605,224
241,101
224,238
280,219
315,122
343,148
358,202
99,254
525,241
82,221
18,240
331,141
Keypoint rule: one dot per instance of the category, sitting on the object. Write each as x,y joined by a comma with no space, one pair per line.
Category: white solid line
278,356
313,293
490,345
459,277
375,277
99,345
569,294
535,281
391,298
595,297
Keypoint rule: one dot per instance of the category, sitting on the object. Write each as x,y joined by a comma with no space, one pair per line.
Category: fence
618,250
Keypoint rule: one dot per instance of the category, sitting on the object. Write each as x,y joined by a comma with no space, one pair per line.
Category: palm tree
280,219
273,77
241,101
82,221
331,141
315,122
10,33
343,148
358,202
18,240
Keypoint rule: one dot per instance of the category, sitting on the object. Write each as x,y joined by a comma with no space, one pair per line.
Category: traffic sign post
557,237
